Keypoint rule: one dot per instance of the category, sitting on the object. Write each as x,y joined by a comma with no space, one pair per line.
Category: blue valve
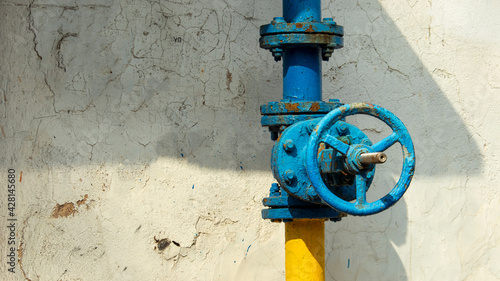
360,159
323,166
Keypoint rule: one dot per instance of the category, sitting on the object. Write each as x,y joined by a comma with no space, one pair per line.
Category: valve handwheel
355,162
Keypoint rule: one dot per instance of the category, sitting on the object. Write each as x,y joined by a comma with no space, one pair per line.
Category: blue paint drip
192,187
248,249
348,262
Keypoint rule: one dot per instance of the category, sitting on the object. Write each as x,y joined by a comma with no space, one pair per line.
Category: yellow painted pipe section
305,250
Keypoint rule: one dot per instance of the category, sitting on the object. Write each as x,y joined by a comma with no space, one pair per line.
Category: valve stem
373,158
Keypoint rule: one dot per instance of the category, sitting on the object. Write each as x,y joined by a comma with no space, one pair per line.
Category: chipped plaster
136,123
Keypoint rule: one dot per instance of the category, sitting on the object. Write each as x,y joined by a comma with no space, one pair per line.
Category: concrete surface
133,127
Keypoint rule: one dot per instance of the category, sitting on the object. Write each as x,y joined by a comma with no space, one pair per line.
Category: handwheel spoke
361,189
336,144
385,143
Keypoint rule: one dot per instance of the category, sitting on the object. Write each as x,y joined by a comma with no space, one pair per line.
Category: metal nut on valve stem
373,158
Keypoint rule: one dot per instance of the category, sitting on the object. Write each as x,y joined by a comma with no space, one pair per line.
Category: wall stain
67,209
229,79
82,201
64,210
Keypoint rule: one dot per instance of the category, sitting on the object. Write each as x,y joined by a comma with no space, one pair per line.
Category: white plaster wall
136,121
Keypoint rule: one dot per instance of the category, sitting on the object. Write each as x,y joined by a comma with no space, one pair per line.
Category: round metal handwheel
354,159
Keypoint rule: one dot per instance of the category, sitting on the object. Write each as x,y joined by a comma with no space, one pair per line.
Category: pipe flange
279,26
280,34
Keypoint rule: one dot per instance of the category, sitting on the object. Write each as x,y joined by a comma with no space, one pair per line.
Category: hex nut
288,145
289,175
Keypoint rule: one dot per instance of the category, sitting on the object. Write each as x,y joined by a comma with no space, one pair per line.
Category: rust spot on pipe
315,107
292,107
310,29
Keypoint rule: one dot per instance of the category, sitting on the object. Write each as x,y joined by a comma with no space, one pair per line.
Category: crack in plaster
31,24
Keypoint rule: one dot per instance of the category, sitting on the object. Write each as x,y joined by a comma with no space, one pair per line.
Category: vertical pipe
302,65
302,10
305,250
305,239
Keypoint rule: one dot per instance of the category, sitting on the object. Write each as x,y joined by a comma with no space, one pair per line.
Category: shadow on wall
366,248
185,81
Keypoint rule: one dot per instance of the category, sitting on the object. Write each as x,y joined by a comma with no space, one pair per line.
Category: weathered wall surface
133,127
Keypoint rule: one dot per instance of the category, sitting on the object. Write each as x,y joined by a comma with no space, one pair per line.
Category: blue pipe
302,65
302,10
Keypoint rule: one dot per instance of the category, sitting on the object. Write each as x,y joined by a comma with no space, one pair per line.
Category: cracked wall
135,133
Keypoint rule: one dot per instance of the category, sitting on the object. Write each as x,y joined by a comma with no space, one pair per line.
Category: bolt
366,142
288,145
329,21
327,53
311,193
275,190
279,19
289,176
277,53
345,139
310,127
342,129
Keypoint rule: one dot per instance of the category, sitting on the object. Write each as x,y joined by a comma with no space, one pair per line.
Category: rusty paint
292,107
64,210
315,107
299,25
321,147
21,176
310,29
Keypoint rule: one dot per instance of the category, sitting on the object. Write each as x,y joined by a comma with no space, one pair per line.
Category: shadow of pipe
148,106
